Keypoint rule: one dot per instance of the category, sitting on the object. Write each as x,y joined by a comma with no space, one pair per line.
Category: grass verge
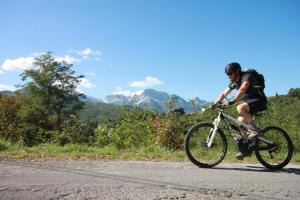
88,152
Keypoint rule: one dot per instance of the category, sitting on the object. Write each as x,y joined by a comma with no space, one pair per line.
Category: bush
132,130
30,134
169,130
3,145
127,134
75,132
8,117
103,134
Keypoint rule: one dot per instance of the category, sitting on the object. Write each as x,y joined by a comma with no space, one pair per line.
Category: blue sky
180,47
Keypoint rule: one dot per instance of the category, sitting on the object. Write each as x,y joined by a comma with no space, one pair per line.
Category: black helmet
236,67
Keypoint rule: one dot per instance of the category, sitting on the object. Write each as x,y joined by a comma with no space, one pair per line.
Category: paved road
23,179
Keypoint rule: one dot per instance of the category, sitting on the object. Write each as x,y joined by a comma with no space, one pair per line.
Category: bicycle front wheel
275,149
196,145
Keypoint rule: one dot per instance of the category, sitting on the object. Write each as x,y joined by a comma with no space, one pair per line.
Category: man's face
233,76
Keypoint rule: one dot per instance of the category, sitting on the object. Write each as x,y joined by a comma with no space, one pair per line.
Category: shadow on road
260,169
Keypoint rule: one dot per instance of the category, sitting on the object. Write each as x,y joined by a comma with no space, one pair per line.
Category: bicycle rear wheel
276,153
196,147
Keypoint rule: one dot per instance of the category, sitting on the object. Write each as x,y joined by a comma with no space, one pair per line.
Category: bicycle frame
227,119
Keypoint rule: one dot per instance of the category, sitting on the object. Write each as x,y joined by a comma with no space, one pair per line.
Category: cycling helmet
233,67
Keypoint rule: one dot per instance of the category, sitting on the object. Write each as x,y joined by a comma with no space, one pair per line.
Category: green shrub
169,130
3,145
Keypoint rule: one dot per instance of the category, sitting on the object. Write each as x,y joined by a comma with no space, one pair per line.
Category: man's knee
243,108
240,108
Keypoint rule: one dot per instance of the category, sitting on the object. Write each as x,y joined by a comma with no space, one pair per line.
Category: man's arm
223,95
244,87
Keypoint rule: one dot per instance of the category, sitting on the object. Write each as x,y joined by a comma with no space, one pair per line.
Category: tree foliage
294,92
8,117
52,87
45,103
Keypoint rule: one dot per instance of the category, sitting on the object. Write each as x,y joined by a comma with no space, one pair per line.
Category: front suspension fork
213,131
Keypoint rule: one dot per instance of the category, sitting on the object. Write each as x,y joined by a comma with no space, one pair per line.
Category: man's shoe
240,156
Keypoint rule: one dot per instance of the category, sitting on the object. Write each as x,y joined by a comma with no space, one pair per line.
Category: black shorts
256,104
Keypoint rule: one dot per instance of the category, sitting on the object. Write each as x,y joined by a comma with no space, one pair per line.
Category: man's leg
244,116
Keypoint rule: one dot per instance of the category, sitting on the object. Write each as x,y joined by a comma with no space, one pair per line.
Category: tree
294,92
193,104
51,88
171,104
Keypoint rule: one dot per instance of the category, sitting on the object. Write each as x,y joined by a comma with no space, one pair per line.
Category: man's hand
231,102
214,105
227,104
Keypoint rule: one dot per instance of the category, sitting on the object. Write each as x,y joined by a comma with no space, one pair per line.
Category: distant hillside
99,112
8,93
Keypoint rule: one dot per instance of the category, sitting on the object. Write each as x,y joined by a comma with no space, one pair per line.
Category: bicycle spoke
274,149
196,146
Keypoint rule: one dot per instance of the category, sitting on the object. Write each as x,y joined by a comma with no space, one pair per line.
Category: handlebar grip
218,105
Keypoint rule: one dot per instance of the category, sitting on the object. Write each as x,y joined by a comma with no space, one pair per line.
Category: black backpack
259,77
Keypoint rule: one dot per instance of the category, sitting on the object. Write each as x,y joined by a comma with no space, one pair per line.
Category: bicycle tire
191,139
282,141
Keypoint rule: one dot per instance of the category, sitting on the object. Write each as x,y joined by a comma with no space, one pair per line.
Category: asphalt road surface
36,179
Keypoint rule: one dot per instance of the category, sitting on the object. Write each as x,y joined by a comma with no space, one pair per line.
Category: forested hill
99,112
284,111
8,93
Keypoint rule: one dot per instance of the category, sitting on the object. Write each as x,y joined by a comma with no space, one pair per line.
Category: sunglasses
229,73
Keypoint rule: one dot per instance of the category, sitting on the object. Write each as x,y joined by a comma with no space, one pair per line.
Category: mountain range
8,93
152,99
148,99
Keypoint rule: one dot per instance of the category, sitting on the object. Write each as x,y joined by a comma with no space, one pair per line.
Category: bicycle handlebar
217,105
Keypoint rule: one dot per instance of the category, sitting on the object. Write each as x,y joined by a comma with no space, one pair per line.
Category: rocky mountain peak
152,99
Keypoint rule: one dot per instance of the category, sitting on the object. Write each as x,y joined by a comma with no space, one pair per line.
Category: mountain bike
206,144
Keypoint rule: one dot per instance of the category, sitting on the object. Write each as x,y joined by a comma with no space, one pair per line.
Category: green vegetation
96,152
47,119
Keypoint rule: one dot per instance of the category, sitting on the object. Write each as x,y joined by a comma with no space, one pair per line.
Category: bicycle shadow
250,168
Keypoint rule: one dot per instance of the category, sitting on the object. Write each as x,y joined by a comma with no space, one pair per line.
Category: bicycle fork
213,131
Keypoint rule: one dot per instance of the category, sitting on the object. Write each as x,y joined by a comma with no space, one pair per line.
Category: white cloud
26,63
88,53
7,87
38,54
67,58
19,64
149,81
120,91
85,83
127,93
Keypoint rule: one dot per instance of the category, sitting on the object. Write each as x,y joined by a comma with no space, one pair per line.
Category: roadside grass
94,152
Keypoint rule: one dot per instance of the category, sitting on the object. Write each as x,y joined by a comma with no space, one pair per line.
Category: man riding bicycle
252,99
